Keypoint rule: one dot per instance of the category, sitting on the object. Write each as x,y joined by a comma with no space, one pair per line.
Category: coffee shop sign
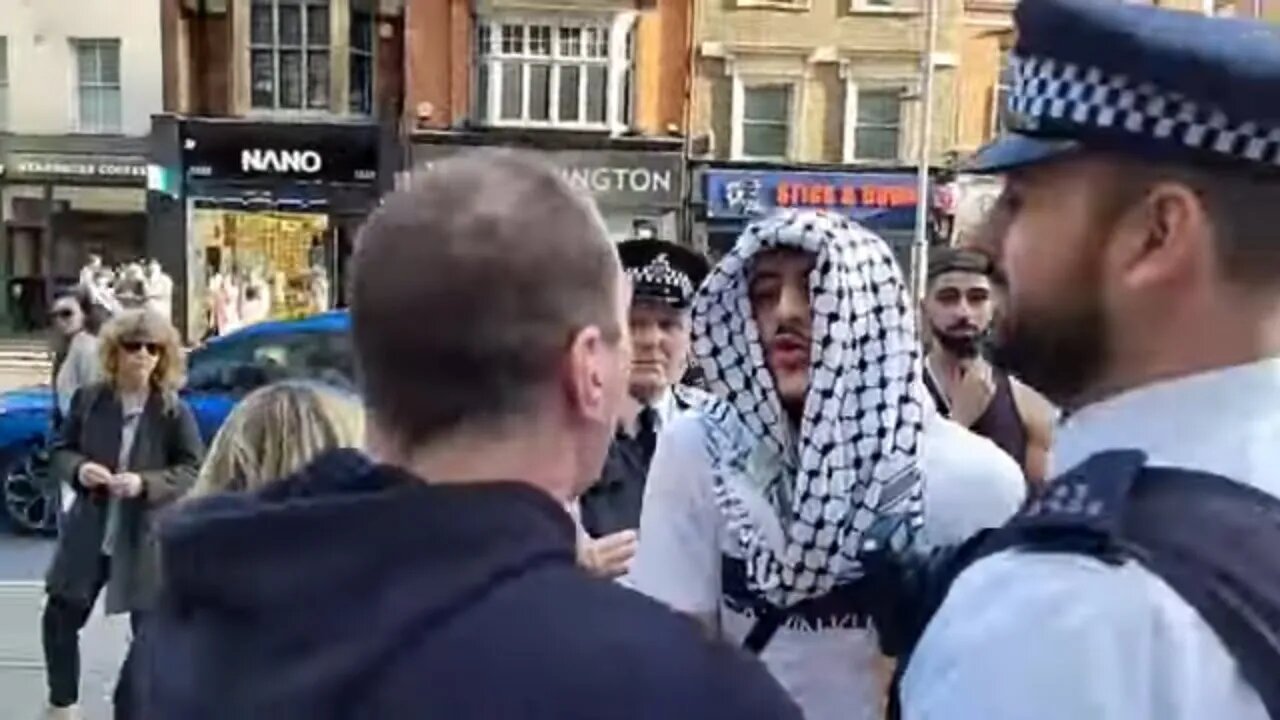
601,180
79,168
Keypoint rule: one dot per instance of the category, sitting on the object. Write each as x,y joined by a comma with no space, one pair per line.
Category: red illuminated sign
789,194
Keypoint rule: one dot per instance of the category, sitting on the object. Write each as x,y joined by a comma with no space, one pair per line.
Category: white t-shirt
830,670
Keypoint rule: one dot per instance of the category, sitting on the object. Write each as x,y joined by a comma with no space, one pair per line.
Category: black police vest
1212,539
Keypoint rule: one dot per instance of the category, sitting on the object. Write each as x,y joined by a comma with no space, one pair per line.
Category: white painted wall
42,64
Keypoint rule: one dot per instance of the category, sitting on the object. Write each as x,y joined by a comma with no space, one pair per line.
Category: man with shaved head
489,319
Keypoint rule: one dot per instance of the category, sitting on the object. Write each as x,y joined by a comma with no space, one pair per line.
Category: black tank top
1000,422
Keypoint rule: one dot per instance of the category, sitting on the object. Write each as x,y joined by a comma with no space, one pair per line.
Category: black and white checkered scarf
801,504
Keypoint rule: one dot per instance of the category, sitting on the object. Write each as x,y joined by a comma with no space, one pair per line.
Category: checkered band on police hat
659,273
1051,96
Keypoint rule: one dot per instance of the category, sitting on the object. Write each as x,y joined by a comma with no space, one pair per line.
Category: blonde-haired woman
275,431
128,446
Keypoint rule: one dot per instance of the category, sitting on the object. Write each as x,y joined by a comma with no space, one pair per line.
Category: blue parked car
218,373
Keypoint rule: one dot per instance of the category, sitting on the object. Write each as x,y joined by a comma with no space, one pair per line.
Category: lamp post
920,244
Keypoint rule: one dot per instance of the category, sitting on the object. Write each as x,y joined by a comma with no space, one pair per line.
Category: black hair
945,260
92,318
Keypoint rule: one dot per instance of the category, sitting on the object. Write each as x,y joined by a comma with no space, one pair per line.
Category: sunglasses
132,347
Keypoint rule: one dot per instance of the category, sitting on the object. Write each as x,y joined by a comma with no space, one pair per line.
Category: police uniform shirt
665,407
1065,637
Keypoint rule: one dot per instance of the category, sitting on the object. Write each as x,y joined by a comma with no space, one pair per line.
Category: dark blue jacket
355,591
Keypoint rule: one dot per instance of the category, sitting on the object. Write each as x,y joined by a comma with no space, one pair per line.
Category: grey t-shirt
132,410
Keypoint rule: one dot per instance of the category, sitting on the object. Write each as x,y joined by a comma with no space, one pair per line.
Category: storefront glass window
361,71
547,73
98,85
262,265
766,112
289,57
879,120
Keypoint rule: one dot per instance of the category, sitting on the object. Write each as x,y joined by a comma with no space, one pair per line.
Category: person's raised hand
609,556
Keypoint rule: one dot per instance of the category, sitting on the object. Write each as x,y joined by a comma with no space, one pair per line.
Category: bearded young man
959,308
816,440
1139,238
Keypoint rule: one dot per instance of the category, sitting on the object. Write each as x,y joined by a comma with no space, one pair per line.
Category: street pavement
23,561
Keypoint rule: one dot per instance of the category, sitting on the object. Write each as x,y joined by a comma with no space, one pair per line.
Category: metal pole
920,255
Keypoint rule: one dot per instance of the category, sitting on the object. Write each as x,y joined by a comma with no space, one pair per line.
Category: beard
1061,352
965,347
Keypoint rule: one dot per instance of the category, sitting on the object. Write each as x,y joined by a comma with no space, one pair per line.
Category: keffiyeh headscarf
801,505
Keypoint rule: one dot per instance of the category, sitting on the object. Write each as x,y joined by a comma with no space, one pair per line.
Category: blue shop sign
879,200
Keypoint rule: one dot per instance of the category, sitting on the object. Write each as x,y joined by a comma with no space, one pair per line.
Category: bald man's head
468,287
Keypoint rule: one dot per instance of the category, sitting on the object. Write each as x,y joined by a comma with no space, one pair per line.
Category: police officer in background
1142,252
664,276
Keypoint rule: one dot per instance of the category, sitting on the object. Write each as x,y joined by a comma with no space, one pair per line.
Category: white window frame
743,82
371,55
852,87
997,107
304,47
782,5
887,7
619,31
4,83
99,45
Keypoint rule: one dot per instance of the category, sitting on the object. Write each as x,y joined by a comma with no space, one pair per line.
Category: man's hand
971,393
92,475
126,485
609,556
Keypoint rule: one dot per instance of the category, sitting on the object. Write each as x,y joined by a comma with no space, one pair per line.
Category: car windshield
239,365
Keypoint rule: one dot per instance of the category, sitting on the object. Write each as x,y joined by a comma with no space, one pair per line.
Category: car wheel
30,497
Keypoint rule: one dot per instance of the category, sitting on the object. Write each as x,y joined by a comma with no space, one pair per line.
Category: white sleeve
678,559
1065,637
970,483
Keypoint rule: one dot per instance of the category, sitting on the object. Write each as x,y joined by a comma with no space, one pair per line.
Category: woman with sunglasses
128,446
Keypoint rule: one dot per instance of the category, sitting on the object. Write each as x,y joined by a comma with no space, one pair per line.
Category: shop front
62,199
727,198
638,184
266,213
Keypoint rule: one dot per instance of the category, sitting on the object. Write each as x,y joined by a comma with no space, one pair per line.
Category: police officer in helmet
664,277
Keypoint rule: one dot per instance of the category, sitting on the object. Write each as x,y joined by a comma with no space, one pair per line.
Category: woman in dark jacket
127,447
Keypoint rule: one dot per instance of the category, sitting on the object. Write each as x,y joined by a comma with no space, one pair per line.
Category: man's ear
1160,238
585,372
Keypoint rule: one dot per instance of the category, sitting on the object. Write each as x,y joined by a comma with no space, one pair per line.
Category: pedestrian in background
128,446
442,582
75,349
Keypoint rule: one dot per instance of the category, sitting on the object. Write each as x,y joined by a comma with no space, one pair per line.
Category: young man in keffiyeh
819,437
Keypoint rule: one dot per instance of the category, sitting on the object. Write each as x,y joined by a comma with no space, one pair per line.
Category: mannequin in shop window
255,305
224,301
318,290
